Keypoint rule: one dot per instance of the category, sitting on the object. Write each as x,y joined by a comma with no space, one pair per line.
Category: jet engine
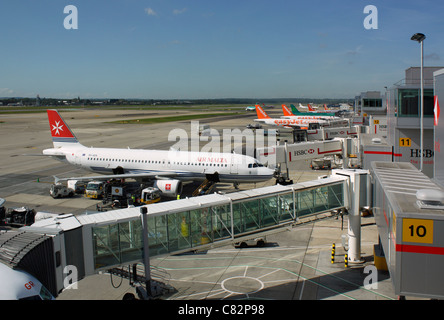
169,188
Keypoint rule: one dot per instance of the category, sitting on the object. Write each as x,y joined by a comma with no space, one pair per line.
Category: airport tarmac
295,263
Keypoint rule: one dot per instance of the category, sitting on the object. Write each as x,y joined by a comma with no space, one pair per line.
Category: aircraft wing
153,175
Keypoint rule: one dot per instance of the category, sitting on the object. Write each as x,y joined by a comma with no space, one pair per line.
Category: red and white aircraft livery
168,167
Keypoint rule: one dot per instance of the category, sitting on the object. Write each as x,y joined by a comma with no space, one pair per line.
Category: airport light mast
420,38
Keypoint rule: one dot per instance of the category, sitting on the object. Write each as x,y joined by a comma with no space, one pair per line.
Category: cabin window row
161,162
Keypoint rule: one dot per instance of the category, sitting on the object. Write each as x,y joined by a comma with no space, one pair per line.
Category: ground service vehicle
94,189
150,195
256,241
16,217
59,190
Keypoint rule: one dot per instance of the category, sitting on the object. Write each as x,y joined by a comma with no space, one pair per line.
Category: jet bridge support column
146,252
357,198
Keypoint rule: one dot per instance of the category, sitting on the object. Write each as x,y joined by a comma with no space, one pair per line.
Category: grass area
34,109
174,118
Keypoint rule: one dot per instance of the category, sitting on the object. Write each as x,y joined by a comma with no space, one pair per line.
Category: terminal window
409,102
372,103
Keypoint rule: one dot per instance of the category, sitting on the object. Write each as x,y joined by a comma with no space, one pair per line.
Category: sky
195,49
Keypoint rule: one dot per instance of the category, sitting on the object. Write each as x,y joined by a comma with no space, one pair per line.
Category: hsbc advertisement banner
293,153
313,150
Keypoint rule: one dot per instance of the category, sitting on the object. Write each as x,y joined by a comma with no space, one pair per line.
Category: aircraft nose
267,171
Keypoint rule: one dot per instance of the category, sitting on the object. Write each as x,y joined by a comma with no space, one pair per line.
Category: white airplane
287,123
166,168
20,285
250,108
302,107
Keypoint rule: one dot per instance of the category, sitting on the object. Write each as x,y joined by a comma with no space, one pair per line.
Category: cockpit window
255,165
45,294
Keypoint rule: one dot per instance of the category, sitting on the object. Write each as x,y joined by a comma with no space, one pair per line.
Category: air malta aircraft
168,168
287,123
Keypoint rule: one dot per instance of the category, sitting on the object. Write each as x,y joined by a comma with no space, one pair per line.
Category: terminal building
396,117
404,116
371,102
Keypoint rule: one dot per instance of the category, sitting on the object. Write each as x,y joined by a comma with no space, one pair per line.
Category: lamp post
420,38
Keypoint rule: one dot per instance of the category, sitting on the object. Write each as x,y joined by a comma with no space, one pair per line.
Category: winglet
261,113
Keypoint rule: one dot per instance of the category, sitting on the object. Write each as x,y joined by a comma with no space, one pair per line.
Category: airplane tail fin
325,108
310,108
261,113
60,132
294,110
287,111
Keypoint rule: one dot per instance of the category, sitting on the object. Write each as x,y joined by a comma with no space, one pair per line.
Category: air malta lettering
212,159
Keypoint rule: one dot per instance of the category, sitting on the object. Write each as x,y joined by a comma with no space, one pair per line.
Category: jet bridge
409,212
105,240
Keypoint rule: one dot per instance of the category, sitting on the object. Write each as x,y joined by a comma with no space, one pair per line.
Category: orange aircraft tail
261,113
287,111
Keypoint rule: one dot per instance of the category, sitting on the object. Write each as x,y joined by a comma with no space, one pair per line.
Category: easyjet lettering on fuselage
289,122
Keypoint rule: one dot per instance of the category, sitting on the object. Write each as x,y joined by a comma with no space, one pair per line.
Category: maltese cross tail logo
57,127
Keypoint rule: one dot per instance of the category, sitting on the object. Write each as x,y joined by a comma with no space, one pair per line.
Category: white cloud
179,11
150,12
6,91
355,52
